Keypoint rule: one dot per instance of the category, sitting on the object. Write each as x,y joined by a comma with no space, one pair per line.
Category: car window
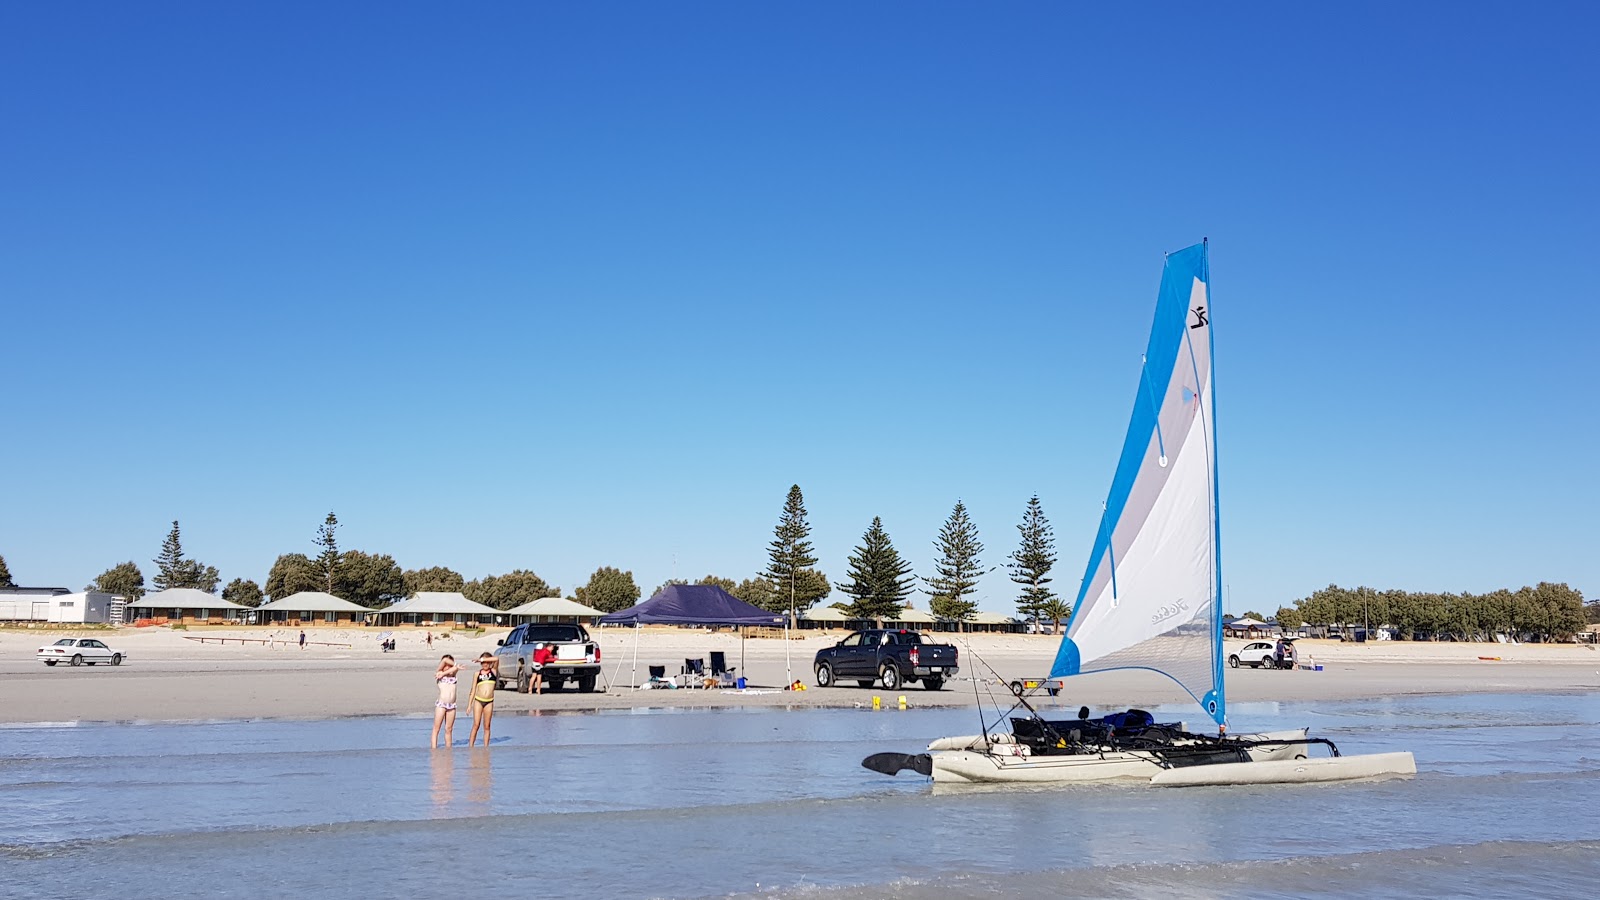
65,642
853,640
543,634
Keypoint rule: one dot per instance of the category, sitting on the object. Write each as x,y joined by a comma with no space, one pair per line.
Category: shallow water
775,803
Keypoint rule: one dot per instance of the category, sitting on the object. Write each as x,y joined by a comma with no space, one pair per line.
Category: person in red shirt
542,656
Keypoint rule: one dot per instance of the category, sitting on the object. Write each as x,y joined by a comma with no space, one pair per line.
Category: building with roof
28,604
56,606
555,609
311,608
437,608
186,606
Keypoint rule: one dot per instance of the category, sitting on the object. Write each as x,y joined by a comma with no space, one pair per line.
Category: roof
555,606
1245,623
315,601
186,598
17,589
912,615
825,614
694,604
441,602
982,617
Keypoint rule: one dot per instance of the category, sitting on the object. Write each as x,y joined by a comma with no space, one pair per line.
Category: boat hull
1292,771
976,765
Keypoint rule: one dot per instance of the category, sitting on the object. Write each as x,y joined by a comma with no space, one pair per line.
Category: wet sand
168,677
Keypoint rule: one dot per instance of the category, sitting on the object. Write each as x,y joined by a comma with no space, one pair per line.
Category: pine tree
789,556
328,559
880,580
1031,562
958,568
5,574
169,565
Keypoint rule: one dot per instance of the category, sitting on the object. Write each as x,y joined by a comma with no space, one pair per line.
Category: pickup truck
892,656
577,656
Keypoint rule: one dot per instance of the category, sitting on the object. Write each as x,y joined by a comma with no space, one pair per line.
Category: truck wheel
932,684
524,683
891,678
586,684
824,675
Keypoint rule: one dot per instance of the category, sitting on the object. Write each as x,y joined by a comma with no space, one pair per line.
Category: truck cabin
891,637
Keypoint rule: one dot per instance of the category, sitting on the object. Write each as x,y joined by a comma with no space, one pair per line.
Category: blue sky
556,286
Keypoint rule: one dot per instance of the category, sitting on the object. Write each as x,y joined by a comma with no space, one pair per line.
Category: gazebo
554,609
311,608
436,608
185,606
1247,629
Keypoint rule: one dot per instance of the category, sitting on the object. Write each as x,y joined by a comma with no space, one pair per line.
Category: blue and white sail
1150,597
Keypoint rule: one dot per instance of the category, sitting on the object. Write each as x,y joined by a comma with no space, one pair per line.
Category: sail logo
1178,607
1200,316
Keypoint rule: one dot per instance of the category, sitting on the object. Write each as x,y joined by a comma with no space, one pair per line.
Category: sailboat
1150,599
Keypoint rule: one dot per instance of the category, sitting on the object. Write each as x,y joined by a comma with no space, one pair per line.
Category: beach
172,676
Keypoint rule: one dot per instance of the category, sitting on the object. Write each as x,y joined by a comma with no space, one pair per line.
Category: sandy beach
169,676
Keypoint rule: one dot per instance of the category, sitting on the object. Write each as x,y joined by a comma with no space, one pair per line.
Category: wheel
50,662
586,684
932,684
77,659
555,685
116,659
499,685
1233,661
524,683
864,682
824,675
1016,688
891,678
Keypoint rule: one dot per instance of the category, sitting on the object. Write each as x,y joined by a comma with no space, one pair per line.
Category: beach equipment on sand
1150,600
691,604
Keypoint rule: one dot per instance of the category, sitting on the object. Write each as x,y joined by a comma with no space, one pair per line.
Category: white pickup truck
577,656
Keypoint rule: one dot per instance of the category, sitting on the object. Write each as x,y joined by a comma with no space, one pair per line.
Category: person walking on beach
444,708
484,683
430,639
302,639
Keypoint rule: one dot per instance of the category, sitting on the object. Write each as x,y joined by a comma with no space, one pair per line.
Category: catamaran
1150,599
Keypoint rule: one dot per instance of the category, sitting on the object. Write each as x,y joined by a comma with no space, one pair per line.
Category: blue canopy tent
693,604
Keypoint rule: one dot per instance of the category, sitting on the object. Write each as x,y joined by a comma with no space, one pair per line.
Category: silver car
80,651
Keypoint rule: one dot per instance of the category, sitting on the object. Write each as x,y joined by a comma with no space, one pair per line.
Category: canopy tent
185,605
311,606
555,609
694,604
434,608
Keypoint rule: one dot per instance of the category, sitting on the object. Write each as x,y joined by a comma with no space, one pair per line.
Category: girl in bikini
484,682
444,709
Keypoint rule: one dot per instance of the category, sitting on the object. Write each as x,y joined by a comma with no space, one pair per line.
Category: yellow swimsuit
479,692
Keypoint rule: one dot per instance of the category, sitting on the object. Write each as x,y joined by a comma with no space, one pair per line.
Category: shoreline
169,679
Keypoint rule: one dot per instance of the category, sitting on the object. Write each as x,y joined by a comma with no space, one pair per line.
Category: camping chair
658,678
694,672
720,670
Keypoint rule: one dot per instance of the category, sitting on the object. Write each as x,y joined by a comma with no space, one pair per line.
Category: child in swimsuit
444,708
484,683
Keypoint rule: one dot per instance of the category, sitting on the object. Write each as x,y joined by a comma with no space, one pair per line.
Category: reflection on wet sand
480,778
442,767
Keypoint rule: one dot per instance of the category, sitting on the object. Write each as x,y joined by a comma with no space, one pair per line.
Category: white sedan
77,651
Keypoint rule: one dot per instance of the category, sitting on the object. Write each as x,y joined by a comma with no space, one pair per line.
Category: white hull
978,765
1292,771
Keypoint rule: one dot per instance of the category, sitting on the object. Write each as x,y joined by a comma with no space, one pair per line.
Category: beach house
311,608
437,608
185,606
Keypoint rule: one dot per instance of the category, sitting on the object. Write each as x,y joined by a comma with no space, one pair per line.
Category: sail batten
1149,597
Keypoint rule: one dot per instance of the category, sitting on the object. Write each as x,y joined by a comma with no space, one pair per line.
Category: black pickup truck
895,657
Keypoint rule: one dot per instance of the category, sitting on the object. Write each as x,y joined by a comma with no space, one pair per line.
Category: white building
27,604
84,607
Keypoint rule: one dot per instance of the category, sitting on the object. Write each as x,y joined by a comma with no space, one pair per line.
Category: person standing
430,639
444,708
302,639
484,682
542,656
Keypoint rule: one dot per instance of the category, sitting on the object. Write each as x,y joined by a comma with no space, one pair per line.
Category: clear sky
555,286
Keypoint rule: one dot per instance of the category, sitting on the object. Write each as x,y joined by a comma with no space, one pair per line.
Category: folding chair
720,670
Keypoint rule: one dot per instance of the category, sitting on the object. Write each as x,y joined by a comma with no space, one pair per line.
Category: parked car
80,651
577,656
1256,655
891,656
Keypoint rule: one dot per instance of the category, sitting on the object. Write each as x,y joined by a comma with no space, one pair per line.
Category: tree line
1546,611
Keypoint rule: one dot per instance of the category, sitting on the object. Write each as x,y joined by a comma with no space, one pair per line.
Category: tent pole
633,673
788,668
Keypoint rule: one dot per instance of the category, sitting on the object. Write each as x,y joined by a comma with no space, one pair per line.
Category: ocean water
774,803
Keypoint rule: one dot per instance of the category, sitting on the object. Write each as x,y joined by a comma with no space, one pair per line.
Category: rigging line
1155,408
1111,558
